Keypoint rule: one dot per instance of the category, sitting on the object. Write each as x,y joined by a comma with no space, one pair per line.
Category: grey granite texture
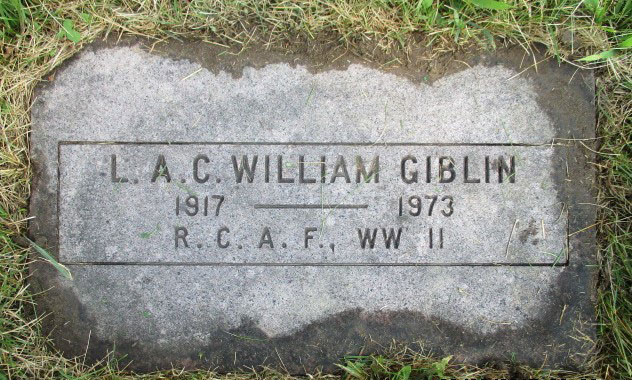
524,221
508,274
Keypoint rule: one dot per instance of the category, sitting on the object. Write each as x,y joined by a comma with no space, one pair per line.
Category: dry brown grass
31,48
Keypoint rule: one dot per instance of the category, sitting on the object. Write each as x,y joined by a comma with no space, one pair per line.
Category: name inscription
309,204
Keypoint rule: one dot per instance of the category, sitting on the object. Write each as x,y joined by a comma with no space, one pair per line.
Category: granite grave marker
229,212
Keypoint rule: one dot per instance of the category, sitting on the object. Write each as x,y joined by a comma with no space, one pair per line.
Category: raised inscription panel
312,204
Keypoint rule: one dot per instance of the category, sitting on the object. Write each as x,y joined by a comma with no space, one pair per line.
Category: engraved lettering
113,175
391,238
267,168
340,170
243,166
415,204
510,170
161,169
192,204
196,169
276,185
411,176
446,165
220,200
433,199
323,170
280,172
308,235
181,234
374,171
487,168
450,206
431,237
266,238
466,172
367,237
220,232
301,171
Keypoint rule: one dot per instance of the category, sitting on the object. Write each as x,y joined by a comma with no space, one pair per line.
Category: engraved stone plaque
226,214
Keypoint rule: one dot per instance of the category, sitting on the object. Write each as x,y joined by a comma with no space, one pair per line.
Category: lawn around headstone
376,189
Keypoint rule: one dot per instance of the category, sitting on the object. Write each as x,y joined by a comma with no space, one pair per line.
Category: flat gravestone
232,211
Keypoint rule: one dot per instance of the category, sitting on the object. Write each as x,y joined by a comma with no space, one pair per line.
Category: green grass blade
491,4
626,43
599,57
48,257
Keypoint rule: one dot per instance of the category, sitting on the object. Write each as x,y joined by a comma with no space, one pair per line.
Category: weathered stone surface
450,216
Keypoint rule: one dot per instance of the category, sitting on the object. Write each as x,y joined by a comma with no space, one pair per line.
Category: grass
37,35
